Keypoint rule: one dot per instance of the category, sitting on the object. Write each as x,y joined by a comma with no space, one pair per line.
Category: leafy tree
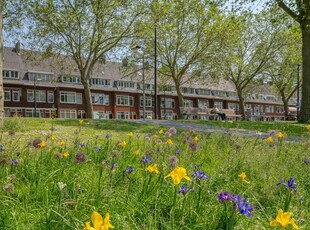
284,66
84,30
186,31
249,45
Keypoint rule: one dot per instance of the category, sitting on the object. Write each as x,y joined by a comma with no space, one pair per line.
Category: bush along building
40,86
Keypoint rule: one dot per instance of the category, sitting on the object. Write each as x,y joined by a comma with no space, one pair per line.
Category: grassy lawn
58,174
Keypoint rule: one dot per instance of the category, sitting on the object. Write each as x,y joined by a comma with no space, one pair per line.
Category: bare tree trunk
1,65
241,103
305,100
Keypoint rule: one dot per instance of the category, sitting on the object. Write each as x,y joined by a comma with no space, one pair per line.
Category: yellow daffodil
154,136
42,144
53,138
308,127
169,142
98,222
178,174
242,177
284,219
122,144
66,154
269,140
161,131
196,139
280,135
130,134
152,168
61,143
81,122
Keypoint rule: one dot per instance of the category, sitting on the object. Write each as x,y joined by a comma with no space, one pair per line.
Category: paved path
208,128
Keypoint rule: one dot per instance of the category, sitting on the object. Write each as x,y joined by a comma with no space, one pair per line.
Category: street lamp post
298,103
35,95
155,74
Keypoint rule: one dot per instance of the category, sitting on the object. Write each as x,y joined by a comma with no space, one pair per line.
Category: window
39,94
7,95
50,97
15,94
188,103
124,84
10,74
67,113
49,77
269,108
100,99
167,103
202,91
100,82
279,109
123,115
218,104
70,79
79,98
188,90
148,101
124,100
68,97
203,104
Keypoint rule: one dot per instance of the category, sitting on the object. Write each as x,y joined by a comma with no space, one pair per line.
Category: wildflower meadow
76,174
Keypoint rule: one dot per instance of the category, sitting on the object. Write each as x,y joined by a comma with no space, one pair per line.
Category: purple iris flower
98,149
145,160
291,185
178,151
184,190
112,166
200,175
129,170
224,196
272,132
172,130
243,206
80,157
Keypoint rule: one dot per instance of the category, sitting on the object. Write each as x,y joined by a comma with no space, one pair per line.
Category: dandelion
269,139
284,219
161,131
291,185
81,122
122,144
98,222
196,139
61,143
242,177
53,138
178,174
308,127
280,135
152,168
169,142
66,154
130,134
42,144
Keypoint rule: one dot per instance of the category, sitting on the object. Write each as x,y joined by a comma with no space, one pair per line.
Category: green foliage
43,187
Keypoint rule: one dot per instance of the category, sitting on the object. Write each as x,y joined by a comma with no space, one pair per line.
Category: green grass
42,189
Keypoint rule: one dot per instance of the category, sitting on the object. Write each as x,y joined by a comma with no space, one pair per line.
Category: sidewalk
211,129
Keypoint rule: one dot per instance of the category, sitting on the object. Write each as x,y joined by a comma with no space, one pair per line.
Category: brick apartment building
35,86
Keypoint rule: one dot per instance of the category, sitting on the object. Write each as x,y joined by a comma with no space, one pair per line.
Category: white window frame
124,100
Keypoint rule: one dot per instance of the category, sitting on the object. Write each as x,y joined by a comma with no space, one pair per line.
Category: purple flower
145,160
106,163
193,146
173,160
223,197
272,132
14,161
178,151
80,157
184,190
200,175
172,131
129,170
97,149
108,136
243,206
291,185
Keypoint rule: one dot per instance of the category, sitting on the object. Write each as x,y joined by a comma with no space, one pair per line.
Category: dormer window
10,74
